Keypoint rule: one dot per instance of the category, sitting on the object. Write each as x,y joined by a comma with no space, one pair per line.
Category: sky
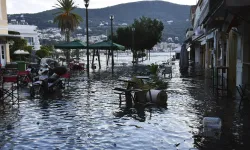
34,6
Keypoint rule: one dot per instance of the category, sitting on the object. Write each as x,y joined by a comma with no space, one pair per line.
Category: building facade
4,46
221,39
28,32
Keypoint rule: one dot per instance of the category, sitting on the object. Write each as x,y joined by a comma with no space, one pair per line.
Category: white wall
27,31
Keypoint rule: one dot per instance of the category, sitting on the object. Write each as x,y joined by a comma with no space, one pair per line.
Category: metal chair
66,76
24,77
9,88
242,92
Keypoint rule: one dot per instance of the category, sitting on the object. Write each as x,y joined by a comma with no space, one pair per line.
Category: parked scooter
48,79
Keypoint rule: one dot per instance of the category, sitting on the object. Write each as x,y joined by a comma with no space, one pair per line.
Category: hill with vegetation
174,17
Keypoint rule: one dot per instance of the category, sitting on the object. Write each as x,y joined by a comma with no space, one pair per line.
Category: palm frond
65,18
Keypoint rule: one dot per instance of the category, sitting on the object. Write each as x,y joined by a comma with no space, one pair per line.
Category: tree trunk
99,61
67,51
93,58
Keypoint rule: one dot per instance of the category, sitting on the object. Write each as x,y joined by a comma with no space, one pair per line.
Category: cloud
34,6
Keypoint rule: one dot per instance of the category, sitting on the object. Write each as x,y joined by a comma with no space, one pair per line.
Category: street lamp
111,19
133,40
87,32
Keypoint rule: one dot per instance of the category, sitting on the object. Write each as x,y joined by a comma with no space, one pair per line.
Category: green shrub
153,69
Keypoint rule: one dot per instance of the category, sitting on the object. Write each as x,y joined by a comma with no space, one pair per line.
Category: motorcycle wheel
43,91
32,92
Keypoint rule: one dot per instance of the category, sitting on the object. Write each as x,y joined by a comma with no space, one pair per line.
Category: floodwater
87,116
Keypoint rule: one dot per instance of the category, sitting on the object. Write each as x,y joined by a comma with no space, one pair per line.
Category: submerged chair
242,89
66,77
24,77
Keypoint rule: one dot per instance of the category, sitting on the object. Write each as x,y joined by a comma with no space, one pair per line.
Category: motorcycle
48,79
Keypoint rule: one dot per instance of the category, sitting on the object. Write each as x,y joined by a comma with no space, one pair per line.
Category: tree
42,53
147,34
66,19
19,44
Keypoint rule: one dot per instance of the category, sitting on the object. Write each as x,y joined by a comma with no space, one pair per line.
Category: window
3,53
30,40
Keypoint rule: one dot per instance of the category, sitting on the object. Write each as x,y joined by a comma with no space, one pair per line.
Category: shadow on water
138,112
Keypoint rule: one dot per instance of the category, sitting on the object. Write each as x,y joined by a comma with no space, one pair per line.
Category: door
239,65
233,45
2,55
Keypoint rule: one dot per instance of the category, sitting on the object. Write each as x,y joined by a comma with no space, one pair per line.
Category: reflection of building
28,32
4,44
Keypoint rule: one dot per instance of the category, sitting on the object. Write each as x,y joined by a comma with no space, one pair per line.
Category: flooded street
87,116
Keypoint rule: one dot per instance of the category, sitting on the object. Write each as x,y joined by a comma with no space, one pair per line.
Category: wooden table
142,78
129,81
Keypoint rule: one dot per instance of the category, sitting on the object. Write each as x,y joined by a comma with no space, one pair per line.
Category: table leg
129,100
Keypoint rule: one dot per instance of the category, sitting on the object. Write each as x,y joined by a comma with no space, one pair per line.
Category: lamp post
87,33
133,43
111,19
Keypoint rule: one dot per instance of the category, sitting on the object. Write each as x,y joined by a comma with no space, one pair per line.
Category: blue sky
33,6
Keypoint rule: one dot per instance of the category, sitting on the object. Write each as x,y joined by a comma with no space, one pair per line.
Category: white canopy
21,52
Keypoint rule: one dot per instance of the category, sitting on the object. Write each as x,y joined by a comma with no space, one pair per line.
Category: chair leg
240,104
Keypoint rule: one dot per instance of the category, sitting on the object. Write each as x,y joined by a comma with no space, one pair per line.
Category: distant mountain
173,16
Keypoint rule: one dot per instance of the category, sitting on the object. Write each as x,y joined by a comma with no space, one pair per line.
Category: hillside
124,13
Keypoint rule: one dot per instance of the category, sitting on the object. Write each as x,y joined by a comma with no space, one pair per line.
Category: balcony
204,12
207,8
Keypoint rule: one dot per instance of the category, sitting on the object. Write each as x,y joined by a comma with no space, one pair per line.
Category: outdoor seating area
135,93
20,75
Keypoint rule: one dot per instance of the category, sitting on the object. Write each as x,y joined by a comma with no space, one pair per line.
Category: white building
4,35
28,32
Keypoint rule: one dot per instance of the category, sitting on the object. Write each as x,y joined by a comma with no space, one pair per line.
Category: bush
153,69
42,53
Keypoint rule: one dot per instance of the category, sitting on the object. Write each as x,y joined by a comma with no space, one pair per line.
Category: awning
10,35
107,45
198,38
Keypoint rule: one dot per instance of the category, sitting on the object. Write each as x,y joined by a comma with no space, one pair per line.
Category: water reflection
88,116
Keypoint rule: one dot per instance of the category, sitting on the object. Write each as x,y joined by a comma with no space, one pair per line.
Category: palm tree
66,19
